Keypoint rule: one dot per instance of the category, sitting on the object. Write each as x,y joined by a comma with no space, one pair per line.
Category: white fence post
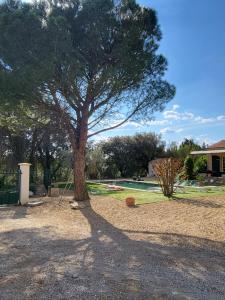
24,182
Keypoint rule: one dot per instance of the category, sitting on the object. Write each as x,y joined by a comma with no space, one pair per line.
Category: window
224,164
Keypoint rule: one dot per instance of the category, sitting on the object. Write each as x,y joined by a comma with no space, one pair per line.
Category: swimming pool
138,185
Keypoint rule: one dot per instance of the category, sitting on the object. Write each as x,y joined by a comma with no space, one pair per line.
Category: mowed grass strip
145,197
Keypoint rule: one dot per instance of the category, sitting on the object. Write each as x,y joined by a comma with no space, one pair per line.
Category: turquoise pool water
134,184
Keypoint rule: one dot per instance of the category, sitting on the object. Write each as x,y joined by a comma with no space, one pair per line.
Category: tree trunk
78,139
80,190
32,158
45,159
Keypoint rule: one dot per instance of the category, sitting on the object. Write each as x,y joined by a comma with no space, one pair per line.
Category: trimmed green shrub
189,168
200,164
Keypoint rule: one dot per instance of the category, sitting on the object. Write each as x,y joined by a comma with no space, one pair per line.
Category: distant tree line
26,134
124,156
29,136
128,156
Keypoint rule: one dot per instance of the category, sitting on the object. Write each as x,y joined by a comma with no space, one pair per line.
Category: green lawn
150,197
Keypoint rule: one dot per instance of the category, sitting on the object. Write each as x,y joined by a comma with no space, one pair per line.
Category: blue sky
194,44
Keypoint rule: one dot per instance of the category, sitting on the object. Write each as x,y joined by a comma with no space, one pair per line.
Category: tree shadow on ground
13,211
109,263
197,202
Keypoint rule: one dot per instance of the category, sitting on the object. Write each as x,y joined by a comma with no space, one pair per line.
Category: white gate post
24,182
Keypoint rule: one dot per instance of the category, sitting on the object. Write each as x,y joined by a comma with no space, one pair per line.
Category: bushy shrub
189,168
200,164
200,178
166,170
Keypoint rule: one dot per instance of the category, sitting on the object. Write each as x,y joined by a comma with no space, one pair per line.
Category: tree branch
115,126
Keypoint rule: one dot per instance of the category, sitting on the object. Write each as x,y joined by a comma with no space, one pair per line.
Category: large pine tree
94,63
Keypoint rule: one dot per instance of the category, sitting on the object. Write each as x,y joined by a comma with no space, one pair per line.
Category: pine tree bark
80,190
79,149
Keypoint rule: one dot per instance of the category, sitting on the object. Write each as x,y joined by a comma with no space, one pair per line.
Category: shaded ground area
171,250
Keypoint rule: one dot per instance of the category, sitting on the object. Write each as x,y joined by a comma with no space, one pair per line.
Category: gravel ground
171,250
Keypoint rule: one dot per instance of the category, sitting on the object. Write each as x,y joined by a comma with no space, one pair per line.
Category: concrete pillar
209,162
24,182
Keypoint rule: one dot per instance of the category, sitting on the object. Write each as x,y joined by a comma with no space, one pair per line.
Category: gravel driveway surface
170,250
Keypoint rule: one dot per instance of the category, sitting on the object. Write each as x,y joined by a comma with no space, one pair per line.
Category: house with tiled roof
215,158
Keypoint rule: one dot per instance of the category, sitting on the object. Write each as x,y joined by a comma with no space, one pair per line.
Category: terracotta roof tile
220,144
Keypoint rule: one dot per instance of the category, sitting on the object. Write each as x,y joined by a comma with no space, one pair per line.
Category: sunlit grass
151,196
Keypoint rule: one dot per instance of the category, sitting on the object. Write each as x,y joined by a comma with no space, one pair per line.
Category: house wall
222,163
150,169
209,162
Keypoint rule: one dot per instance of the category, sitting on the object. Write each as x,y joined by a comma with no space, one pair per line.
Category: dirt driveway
171,250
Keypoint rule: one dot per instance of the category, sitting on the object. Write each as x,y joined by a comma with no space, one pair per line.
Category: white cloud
221,118
172,115
166,130
170,130
175,115
202,120
156,122
100,138
175,107
131,124
179,130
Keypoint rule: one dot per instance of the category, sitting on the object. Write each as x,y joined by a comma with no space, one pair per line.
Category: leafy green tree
29,135
131,154
147,146
15,137
111,171
96,162
51,151
84,61
183,150
172,150
186,147
117,152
